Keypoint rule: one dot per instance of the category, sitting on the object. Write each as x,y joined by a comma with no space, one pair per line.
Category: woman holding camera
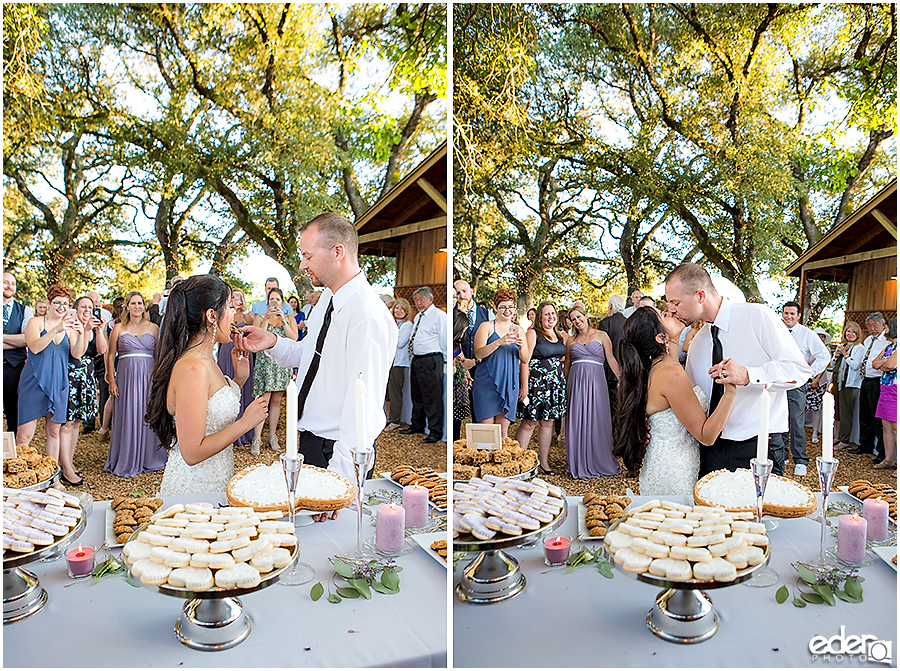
268,378
83,402
44,385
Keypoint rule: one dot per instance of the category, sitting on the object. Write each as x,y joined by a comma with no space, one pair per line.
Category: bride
198,315
655,395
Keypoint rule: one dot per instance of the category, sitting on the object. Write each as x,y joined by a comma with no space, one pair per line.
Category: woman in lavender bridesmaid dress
242,317
133,447
588,423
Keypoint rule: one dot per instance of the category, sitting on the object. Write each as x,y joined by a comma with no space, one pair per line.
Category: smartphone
96,313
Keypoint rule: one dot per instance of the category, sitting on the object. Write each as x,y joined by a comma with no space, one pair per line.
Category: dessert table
581,619
113,624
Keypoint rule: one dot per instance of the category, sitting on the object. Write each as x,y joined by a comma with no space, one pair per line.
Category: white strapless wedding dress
672,462
213,474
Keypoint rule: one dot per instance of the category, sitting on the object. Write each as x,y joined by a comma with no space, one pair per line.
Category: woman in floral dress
543,383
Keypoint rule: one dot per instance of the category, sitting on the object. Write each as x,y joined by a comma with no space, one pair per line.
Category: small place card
9,445
483,436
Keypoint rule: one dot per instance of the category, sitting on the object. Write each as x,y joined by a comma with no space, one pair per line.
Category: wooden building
861,251
410,223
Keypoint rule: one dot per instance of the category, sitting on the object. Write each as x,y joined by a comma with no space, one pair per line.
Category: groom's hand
253,339
729,372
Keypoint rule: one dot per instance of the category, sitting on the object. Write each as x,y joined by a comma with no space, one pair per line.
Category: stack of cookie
511,507
198,547
863,489
602,511
440,547
684,543
508,461
28,468
131,513
34,519
426,477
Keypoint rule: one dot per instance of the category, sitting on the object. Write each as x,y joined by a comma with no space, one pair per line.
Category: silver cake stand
494,575
683,612
22,592
215,619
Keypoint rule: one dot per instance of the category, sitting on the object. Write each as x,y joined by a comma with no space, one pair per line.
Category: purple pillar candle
875,512
851,543
389,524
415,503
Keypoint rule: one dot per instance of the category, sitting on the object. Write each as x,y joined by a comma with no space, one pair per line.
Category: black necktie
314,364
717,389
409,347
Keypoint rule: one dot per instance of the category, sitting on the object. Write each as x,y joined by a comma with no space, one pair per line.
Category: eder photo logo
863,648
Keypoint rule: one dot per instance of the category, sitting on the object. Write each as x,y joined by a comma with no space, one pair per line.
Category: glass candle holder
80,561
556,551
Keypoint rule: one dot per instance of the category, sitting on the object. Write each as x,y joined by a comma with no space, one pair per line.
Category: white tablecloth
581,619
112,624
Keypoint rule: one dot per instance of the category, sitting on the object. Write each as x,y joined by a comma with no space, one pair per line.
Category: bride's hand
241,362
257,411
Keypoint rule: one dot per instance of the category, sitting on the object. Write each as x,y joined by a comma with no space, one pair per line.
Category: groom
742,343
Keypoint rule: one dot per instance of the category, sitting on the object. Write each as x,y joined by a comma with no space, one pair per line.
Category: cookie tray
12,559
216,592
468,542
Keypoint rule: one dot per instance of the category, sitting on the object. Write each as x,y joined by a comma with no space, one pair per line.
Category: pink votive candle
851,543
875,512
415,503
556,550
80,560
390,520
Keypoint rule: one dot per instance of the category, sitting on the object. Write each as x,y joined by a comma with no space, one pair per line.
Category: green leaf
381,589
334,598
853,588
842,595
362,587
782,594
316,592
807,576
826,593
799,603
348,592
811,597
605,570
343,569
390,579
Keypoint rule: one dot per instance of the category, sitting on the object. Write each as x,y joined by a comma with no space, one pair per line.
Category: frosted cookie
708,529
668,538
197,509
153,573
10,543
696,541
651,515
163,530
632,561
521,519
649,525
646,507
671,569
677,527
153,539
193,578
508,528
135,550
616,540
240,575
169,512
715,569
648,547
744,526
232,534
753,539
690,554
271,560
208,532
171,522
169,557
212,560
479,529
749,555
276,527
671,505
51,527
254,548
726,546
635,531
553,490
189,545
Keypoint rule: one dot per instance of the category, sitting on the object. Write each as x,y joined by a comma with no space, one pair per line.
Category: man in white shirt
361,339
816,354
747,345
261,307
636,297
870,428
428,347
15,316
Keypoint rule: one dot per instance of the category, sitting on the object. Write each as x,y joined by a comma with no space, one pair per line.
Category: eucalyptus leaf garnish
352,582
825,583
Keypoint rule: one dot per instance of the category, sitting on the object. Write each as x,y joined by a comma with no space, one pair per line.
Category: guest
462,380
744,344
153,311
817,356
118,313
40,308
530,316
476,314
588,423
242,317
816,391
687,336
636,296
270,379
613,325
647,302
261,307
500,346
133,447
428,349
44,384
199,436
400,366
886,362
544,382
312,299
83,404
299,316
847,360
870,433
663,414
16,316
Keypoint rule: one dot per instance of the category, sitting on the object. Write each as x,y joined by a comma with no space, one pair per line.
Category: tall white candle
291,421
360,407
828,426
762,438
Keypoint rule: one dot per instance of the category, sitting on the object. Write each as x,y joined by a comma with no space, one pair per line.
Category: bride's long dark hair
185,317
637,349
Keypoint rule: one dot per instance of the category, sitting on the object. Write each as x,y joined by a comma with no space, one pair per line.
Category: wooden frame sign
9,445
483,436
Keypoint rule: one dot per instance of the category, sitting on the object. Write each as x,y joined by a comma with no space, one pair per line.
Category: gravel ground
393,449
